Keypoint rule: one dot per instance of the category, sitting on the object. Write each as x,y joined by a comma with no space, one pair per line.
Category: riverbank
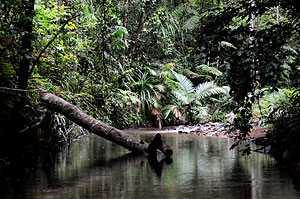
214,129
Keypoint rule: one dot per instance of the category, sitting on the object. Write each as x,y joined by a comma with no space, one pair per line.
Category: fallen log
157,143
99,128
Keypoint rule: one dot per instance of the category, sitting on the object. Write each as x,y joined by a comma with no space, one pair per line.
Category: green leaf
207,89
185,84
227,44
191,23
209,69
167,110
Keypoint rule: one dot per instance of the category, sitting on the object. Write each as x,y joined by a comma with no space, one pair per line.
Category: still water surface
201,167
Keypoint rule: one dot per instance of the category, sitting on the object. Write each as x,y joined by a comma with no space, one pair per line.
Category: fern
289,49
127,96
191,23
209,69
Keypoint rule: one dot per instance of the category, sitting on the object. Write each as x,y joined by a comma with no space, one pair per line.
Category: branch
14,89
51,41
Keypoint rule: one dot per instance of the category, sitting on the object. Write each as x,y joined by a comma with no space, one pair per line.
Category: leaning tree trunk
101,129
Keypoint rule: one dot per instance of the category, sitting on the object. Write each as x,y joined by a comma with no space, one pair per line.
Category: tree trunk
58,4
278,13
101,129
138,33
26,26
203,6
23,71
251,24
124,36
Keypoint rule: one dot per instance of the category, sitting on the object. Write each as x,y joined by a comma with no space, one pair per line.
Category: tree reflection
158,167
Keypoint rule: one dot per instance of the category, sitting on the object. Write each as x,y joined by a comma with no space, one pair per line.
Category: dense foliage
149,63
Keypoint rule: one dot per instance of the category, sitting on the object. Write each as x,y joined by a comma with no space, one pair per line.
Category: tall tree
124,35
26,27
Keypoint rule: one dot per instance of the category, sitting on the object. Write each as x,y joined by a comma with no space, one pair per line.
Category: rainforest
149,64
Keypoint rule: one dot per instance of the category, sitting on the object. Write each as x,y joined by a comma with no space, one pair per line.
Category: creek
201,167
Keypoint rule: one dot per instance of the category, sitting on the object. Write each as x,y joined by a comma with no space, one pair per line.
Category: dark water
201,167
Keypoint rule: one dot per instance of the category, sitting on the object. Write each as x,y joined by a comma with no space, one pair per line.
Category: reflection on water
201,167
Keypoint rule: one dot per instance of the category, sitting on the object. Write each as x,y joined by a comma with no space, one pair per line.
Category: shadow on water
70,169
102,168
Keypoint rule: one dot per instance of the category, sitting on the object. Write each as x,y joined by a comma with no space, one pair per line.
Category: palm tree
149,92
189,100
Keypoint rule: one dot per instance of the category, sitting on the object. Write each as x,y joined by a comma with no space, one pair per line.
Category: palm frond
167,110
185,84
168,80
289,49
181,96
226,90
174,109
167,72
227,44
160,87
208,69
207,89
172,25
155,103
152,72
189,73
